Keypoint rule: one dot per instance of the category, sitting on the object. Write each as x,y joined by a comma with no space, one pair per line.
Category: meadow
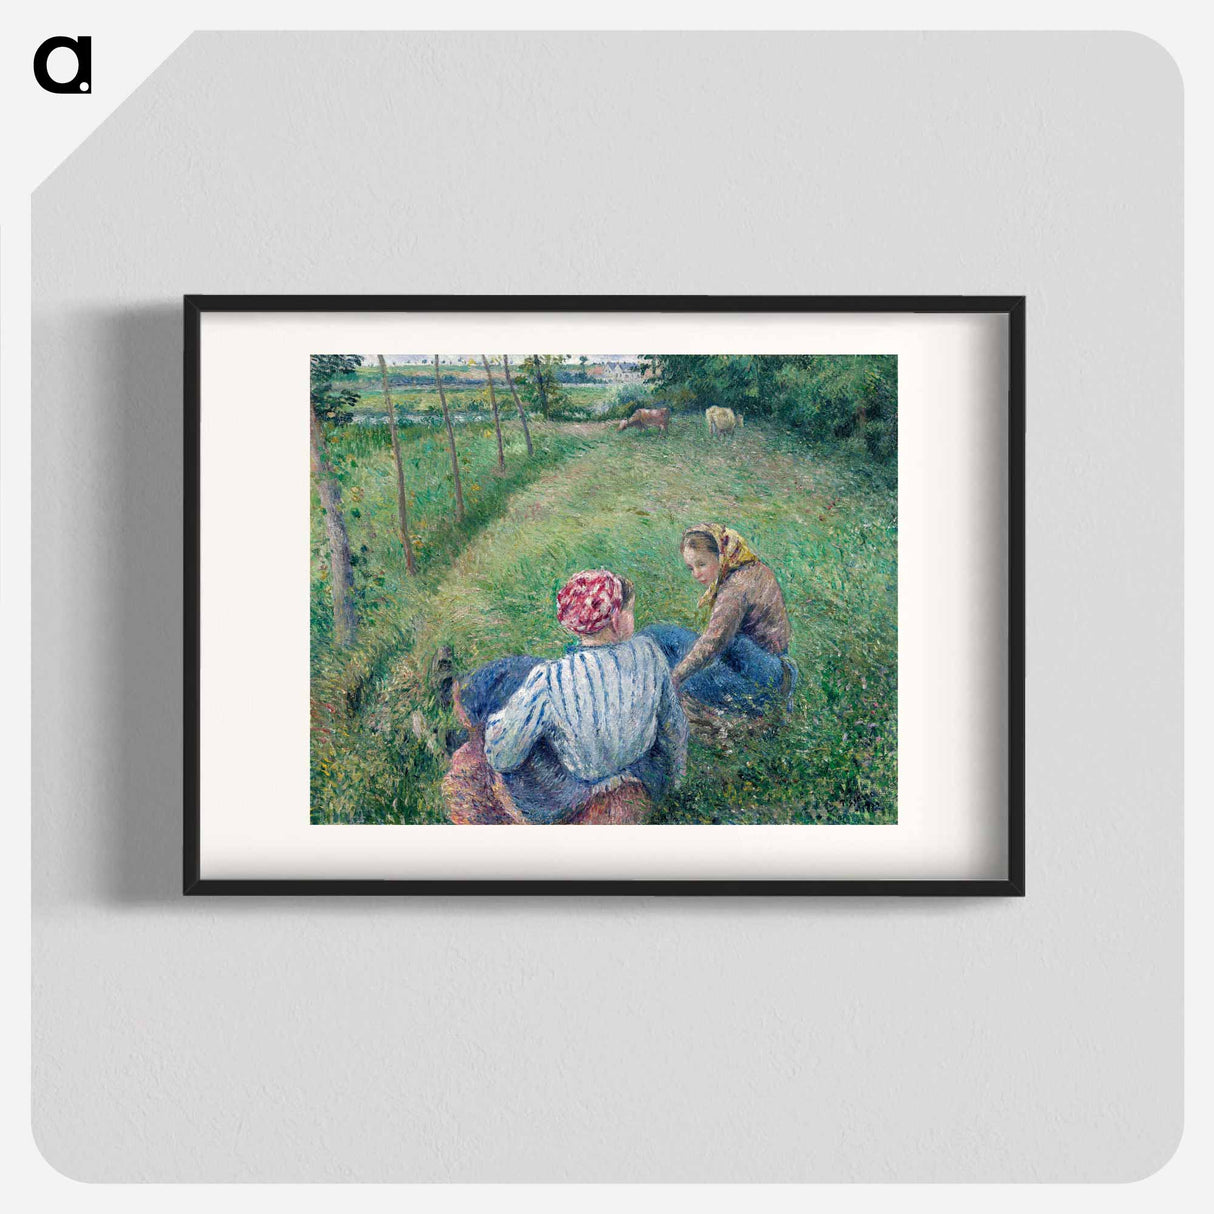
416,395
824,517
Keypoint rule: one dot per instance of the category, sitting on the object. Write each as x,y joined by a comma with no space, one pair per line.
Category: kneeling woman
595,737
739,662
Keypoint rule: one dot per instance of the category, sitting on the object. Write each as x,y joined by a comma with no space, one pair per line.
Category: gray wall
630,1039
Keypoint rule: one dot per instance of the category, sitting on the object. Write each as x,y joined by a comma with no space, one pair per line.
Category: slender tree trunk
497,424
539,385
459,489
401,501
519,403
341,573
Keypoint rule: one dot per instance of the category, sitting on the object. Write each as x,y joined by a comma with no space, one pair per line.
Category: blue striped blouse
601,707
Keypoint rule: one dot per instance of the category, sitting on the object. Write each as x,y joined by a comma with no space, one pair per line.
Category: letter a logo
82,81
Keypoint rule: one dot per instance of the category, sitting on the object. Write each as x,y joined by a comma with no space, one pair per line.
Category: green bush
627,399
678,398
825,398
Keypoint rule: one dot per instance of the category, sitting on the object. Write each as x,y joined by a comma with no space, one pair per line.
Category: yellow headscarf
734,550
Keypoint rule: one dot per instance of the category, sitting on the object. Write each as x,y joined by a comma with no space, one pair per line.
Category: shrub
627,400
827,398
678,398
840,398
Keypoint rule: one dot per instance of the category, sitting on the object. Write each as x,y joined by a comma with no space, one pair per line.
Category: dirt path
586,429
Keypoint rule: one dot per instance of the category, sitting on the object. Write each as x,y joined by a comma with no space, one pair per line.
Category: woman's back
600,706
752,595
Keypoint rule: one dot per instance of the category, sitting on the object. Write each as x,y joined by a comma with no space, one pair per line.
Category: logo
82,81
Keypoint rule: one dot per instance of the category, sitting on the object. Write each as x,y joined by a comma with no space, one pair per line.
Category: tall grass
826,524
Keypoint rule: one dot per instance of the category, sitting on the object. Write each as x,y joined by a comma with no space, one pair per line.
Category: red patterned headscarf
585,603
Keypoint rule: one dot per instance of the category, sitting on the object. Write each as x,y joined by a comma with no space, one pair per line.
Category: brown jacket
749,603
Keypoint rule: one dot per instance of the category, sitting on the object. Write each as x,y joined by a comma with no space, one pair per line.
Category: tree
582,361
518,403
332,405
497,424
540,384
826,398
401,500
459,489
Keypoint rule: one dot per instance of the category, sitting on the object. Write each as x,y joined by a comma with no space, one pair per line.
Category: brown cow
643,419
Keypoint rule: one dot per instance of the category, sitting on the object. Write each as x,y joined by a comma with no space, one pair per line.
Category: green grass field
414,392
827,524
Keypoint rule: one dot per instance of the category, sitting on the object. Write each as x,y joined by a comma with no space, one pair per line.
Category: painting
604,589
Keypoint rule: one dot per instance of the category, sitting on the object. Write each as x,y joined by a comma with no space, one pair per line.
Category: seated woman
595,737
739,663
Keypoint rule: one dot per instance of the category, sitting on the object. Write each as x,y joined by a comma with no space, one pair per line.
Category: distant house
621,370
444,360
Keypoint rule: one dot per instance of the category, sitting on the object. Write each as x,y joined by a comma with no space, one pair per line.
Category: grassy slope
356,770
826,526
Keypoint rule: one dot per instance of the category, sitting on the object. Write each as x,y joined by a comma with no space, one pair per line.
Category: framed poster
748,591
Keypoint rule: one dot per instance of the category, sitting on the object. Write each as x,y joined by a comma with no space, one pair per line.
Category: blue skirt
746,678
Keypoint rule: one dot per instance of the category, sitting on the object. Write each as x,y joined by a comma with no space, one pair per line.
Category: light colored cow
722,421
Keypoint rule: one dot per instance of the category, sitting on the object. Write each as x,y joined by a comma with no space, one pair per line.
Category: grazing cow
722,421
643,419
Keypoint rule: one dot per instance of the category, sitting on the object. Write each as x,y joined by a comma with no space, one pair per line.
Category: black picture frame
1010,306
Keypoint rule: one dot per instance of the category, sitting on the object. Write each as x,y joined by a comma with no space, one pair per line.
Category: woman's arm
672,727
727,615
514,730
